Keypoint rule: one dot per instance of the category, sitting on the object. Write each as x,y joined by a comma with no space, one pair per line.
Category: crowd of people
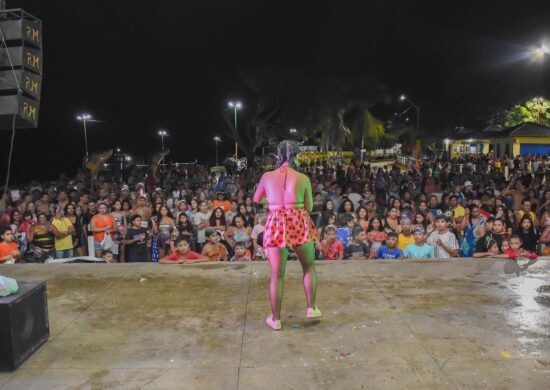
488,208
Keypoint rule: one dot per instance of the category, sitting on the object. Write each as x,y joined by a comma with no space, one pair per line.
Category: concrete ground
403,325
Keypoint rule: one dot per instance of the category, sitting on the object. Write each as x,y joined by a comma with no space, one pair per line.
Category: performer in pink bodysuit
288,225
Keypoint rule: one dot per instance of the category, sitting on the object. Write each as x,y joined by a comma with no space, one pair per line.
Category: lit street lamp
418,141
162,133
84,118
235,106
293,131
542,51
217,139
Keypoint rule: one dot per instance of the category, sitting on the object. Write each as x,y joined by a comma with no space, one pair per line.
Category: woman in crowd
376,235
239,231
42,240
528,234
244,212
164,222
328,211
102,223
70,212
217,221
187,230
193,209
391,222
362,218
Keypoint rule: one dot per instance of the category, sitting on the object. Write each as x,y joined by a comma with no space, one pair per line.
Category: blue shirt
385,253
419,252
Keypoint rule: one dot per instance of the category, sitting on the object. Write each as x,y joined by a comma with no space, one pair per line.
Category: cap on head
420,229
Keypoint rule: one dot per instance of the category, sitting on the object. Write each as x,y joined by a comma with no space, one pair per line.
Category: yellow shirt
459,211
62,225
404,241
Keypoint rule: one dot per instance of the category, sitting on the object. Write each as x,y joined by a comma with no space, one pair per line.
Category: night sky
138,66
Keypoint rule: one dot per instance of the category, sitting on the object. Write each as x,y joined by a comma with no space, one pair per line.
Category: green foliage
364,126
528,113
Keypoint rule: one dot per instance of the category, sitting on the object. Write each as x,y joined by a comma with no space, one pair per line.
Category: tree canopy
528,112
332,112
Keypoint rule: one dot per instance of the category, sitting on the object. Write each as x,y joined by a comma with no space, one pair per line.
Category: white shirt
197,219
448,240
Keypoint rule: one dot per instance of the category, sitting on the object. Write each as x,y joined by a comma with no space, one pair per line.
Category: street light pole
84,118
236,106
217,139
162,133
418,141
539,106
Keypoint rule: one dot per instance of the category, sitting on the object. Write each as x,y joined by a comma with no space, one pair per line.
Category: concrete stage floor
473,324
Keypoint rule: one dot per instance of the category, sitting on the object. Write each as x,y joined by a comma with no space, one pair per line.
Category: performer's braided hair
286,152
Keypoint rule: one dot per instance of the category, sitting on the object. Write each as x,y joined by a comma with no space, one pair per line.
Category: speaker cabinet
24,323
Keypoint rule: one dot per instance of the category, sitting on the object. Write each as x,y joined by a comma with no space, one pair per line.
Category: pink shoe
313,312
273,324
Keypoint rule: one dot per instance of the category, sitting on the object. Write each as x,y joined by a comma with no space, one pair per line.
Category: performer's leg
277,262
306,254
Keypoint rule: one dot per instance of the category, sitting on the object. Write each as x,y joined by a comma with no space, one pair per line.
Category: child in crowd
108,256
376,235
516,250
331,248
390,251
259,253
183,254
344,233
405,237
419,249
358,249
442,241
174,236
492,250
9,251
240,252
213,249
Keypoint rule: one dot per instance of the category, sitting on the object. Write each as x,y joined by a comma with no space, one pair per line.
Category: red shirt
332,251
189,256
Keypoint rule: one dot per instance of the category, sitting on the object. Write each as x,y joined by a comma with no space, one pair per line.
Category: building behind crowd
520,140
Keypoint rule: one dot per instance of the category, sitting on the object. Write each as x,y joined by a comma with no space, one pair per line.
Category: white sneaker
275,325
313,312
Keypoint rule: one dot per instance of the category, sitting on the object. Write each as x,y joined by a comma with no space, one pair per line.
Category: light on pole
542,51
83,118
235,106
293,131
418,141
217,139
538,101
162,133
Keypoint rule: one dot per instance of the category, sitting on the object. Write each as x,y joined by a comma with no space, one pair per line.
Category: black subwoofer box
24,323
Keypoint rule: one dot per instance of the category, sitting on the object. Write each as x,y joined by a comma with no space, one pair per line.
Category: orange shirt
100,223
6,249
214,252
224,204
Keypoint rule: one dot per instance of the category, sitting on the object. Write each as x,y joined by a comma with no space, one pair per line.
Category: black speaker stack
24,325
20,69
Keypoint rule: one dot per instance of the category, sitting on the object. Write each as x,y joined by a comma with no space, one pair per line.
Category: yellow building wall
533,140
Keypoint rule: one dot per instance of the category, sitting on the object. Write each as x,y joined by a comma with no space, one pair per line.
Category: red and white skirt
288,227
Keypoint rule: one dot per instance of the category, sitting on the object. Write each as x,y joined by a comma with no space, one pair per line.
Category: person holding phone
136,241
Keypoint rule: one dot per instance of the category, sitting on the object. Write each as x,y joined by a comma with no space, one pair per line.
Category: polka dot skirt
288,228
